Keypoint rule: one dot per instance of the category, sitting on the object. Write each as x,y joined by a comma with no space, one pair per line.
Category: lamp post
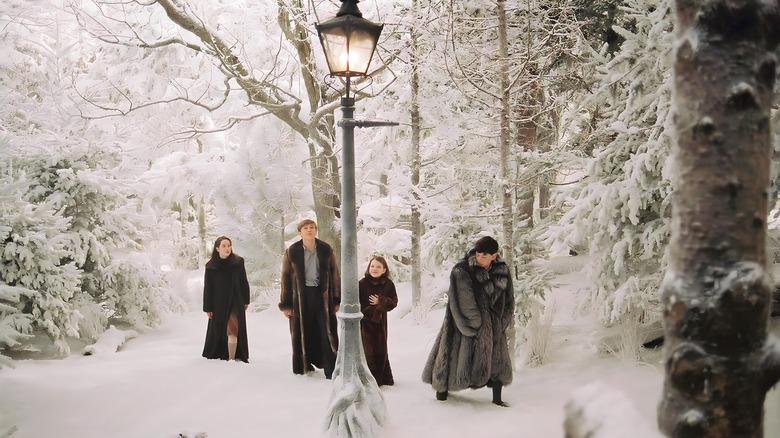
357,407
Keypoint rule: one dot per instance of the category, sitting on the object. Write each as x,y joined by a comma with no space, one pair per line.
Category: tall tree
505,145
477,56
38,278
429,174
719,360
620,212
273,76
415,61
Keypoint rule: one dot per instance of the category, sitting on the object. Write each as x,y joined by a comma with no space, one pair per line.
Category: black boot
441,395
497,386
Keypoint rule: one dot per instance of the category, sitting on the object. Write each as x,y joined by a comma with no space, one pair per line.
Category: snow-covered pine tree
38,278
458,192
73,202
79,183
16,326
620,212
458,162
542,41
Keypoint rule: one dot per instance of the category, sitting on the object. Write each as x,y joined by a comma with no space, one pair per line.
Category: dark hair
381,260
305,222
214,252
486,245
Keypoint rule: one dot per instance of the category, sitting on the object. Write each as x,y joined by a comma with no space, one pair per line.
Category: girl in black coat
225,300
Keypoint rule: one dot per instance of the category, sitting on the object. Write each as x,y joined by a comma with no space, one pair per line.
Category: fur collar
217,263
493,281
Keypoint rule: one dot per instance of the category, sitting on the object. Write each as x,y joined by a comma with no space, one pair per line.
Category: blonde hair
305,222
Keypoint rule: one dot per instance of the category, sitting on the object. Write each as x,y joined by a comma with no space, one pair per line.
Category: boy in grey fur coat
471,348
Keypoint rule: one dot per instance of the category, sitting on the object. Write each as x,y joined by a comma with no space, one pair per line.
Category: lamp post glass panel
348,41
357,407
349,53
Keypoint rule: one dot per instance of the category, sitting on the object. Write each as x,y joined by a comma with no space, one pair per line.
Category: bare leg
232,330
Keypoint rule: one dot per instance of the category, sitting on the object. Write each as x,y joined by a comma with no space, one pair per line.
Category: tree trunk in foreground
718,359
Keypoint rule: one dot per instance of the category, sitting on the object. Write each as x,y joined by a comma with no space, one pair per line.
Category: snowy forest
133,133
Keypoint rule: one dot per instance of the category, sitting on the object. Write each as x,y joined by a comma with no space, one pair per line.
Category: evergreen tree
68,221
38,278
620,213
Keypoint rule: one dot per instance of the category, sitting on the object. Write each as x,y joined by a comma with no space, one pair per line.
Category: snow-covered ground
158,385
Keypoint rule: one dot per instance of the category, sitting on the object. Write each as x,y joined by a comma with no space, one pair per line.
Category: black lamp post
357,407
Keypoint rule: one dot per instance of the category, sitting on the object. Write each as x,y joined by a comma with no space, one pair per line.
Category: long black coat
225,291
293,286
471,347
373,325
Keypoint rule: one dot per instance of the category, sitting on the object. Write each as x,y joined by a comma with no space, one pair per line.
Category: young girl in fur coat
377,297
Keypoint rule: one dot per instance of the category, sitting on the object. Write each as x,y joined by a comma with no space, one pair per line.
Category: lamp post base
357,406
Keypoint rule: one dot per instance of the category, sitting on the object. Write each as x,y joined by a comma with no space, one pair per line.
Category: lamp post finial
349,7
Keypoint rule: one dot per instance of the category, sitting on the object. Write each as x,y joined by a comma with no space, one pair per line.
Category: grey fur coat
471,347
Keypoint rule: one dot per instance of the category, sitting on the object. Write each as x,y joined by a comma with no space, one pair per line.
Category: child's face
224,249
484,259
376,269
309,230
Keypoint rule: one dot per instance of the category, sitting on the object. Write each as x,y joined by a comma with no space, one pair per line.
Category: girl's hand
210,314
246,306
373,300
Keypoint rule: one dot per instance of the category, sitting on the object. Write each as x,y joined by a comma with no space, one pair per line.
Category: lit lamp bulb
348,42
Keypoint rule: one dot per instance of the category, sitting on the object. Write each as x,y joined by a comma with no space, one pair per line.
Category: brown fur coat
471,347
373,325
294,284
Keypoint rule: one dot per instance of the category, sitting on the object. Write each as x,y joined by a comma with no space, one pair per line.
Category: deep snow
158,385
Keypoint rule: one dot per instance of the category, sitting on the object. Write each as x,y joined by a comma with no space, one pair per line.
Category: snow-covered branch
110,341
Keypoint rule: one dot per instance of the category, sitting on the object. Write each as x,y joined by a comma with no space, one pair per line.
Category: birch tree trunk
205,246
525,137
505,136
506,160
718,359
416,219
